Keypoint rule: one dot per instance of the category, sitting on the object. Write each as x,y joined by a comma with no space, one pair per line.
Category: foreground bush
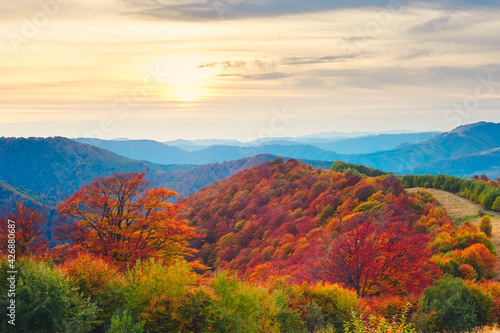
397,324
45,301
98,281
450,305
332,302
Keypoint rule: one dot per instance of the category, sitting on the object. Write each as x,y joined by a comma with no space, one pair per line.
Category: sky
245,69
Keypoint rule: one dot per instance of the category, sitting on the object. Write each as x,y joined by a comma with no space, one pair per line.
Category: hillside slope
56,167
461,210
227,153
465,144
374,143
278,216
142,150
481,163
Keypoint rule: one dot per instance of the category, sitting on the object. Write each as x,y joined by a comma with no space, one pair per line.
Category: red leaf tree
30,240
374,258
119,218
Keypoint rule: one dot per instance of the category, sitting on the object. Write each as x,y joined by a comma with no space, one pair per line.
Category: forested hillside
480,190
50,169
280,247
288,219
56,167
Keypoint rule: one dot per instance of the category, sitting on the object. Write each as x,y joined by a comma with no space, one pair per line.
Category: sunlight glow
187,82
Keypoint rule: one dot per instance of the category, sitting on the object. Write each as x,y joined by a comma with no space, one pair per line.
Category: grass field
462,210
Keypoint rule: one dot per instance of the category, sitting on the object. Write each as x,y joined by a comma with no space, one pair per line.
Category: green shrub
447,306
45,301
486,225
397,324
122,322
335,302
245,308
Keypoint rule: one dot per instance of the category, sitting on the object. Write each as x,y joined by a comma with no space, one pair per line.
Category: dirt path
458,208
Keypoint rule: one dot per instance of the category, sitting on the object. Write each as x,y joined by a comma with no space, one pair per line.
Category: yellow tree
486,225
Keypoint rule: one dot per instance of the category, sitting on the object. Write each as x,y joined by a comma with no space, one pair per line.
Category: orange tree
121,219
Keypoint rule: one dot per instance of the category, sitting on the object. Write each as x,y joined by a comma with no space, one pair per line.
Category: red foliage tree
373,258
119,218
30,240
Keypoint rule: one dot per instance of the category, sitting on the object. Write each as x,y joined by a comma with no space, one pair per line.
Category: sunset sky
165,69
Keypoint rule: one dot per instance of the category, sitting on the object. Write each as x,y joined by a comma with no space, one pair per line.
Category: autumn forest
280,247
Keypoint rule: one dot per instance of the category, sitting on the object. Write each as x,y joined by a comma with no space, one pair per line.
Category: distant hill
465,151
53,168
49,170
157,152
142,150
345,135
186,145
188,182
468,144
361,144
215,154
56,167
374,143
482,163
10,195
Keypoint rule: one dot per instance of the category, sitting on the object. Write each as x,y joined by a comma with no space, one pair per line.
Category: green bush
447,306
485,194
313,317
335,302
486,225
122,322
357,169
397,324
496,205
245,308
45,301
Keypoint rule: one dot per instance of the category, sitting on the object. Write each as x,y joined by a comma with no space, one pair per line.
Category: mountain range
47,170
199,152
464,151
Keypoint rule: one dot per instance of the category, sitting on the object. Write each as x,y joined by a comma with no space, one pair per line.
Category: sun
187,93
186,80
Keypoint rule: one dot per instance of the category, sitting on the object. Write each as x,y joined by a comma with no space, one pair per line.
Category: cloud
268,76
195,10
413,54
235,66
248,69
438,24
444,76
313,83
315,60
267,69
447,22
